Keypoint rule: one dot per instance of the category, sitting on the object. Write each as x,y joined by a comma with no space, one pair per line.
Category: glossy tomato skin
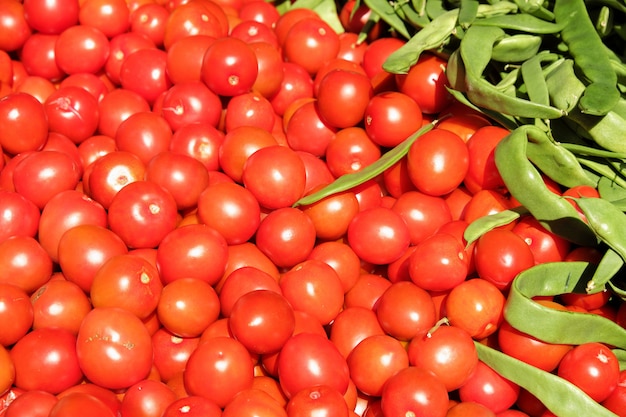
343,96
593,368
310,42
79,402
103,343
322,400
351,150
192,251
25,263
60,303
32,403
192,406
309,359
426,83
148,398
391,117
229,67
81,49
24,124
378,235
488,388
19,216
17,313
424,214
46,359
218,369
15,28
438,162
414,390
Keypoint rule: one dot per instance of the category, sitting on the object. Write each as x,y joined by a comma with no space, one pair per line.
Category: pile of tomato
155,260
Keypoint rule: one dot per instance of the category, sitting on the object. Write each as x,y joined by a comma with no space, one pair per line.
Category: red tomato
24,263
350,150
310,43
149,19
229,67
18,215
545,245
472,409
270,75
448,352
317,400
296,84
593,368
249,109
147,398
31,403
306,122
392,117
482,173
240,282
314,287
238,145
15,28
200,141
414,391
500,255
46,359
488,388
218,369
275,175
17,313
80,402
332,215
529,349
423,213
377,53
112,17
476,306
341,258
171,352
60,303
192,406
145,134
343,97
378,235
404,310
426,83
309,359
366,291
262,320
102,348
81,49
117,106
255,402
351,326
616,401
23,123
194,18
374,360
438,162
439,263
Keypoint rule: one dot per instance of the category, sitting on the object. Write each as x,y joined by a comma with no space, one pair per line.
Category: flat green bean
610,264
564,87
607,221
483,224
467,12
559,396
516,48
586,47
348,181
525,183
521,22
608,131
387,13
534,81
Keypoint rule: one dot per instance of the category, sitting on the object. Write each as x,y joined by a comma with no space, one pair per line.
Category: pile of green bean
553,73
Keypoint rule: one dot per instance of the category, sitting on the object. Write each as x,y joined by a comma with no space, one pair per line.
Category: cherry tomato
343,96
144,72
103,343
350,150
423,213
31,403
488,388
416,391
147,398
60,303
310,42
15,27
24,124
192,406
229,67
392,117
317,400
16,312
81,49
18,215
112,17
544,245
593,368
25,263
426,83
482,173
304,122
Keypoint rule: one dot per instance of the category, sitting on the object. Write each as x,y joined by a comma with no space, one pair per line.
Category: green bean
526,184
536,86
516,48
417,19
483,224
587,49
386,12
608,131
610,264
604,22
557,326
554,160
561,397
432,36
348,181
476,47
564,87
467,12
603,170
521,22
613,192
507,121
607,221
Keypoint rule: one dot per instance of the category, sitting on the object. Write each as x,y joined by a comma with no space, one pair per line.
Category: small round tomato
343,97
23,123
378,235
19,215
16,312
482,173
424,214
24,263
351,326
112,17
485,386
309,359
190,102
46,359
229,67
317,400
310,43
117,106
73,112
414,391
218,369
350,150
544,245
333,214
476,306
500,255
81,49
593,368
391,117
438,162
238,145
60,303
305,122
30,403
448,352
426,83
262,320
103,343
404,310
374,360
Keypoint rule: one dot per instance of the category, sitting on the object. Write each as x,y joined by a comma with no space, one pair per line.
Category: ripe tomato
448,352
23,123
147,398
438,162
31,403
103,343
60,303
46,359
192,251
500,255
350,150
414,391
81,49
240,282
343,96
116,106
482,173
305,123
73,112
20,216
309,359
351,326
112,17
218,369
476,306
16,312
426,83
317,400
544,245
485,386
192,406
391,117
374,360
24,263
229,67
310,43
378,235
15,28
423,213
262,320
593,368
